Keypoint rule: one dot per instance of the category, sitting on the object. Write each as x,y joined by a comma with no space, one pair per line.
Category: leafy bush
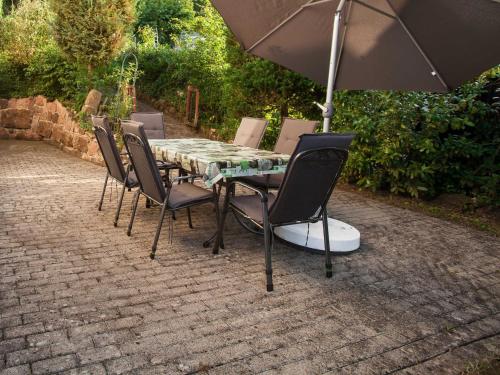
167,17
198,60
92,33
50,74
422,144
26,30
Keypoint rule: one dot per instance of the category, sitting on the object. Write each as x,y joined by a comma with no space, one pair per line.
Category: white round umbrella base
344,238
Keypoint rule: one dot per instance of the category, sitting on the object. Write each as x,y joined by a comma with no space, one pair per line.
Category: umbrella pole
332,71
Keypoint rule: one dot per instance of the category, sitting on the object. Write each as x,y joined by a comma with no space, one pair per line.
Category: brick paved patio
78,296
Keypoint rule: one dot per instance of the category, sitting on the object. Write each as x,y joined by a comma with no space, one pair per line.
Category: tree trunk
284,110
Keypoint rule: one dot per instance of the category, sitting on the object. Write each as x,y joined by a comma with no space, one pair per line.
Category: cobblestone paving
77,296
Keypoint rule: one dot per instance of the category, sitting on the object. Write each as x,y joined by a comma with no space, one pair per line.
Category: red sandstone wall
39,119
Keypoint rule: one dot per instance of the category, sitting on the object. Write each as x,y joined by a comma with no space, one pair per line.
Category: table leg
222,216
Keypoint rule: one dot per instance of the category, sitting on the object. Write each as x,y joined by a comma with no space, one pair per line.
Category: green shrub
26,30
50,74
421,144
92,33
167,17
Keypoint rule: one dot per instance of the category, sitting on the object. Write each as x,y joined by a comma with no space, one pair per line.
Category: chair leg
219,239
190,221
134,209
267,243
103,191
158,230
326,237
118,209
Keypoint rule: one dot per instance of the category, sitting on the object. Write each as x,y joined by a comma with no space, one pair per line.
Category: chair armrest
262,194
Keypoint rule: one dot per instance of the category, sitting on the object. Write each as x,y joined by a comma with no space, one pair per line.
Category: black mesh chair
113,161
173,197
308,183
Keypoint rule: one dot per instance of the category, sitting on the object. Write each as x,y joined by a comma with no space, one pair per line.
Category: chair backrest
144,163
153,123
250,132
310,178
109,150
341,141
291,130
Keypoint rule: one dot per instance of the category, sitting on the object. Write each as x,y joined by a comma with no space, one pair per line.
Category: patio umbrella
422,45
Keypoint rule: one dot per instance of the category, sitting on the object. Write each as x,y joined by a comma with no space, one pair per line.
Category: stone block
35,123
45,128
67,138
12,103
92,102
51,107
4,103
68,125
16,118
81,142
53,117
40,101
93,148
20,134
57,133
62,117
30,135
4,134
24,103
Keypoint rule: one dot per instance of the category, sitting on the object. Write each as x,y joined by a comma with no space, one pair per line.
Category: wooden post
189,99
196,109
131,93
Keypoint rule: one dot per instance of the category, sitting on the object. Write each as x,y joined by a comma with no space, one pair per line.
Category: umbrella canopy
425,45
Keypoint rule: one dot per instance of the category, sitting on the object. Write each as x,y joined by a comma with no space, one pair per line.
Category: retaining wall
39,119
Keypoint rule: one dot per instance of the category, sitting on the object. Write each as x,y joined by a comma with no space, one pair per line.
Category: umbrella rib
374,9
293,15
424,55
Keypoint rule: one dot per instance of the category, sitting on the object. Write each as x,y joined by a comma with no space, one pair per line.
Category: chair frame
98,128
268,227
164,204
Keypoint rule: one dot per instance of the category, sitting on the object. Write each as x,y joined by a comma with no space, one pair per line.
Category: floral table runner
216,160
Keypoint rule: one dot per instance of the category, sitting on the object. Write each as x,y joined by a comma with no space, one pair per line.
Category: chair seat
251,205
270,181
187,194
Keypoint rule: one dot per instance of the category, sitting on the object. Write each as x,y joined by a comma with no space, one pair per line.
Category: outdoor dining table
216,160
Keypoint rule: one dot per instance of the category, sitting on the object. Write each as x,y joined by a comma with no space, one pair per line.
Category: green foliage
92,32
422,144
167,17
199,60
259,88
6,6
52,75
26,30
232,83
